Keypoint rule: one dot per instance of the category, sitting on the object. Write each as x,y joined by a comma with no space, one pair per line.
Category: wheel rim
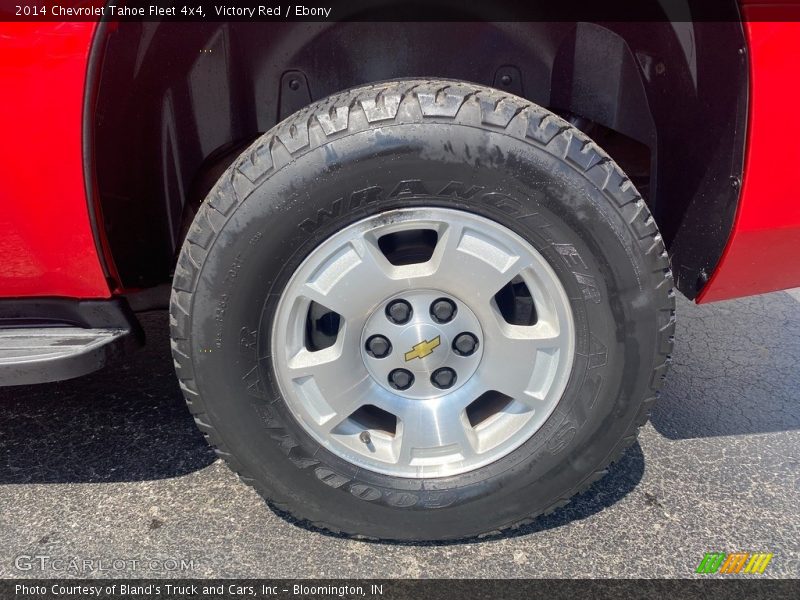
368,378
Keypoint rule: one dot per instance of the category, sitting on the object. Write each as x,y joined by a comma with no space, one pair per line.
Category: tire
371,155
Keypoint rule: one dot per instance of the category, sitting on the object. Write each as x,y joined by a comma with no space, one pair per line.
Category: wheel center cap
434,342
424,347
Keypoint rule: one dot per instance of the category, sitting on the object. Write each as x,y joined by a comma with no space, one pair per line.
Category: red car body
763,249
47,240
133,157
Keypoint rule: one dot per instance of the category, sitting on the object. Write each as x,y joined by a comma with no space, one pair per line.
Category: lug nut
465,344
443,378
378,346
400,379
399,312
443,310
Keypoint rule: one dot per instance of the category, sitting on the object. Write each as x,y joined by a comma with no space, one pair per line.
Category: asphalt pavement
107,476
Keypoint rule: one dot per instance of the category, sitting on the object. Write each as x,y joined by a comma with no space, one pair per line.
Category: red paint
46,243
763,251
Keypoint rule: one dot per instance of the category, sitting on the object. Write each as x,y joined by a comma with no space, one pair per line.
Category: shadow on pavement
734,372
735,369
127,422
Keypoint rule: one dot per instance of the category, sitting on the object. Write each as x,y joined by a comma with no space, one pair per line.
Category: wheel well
176,103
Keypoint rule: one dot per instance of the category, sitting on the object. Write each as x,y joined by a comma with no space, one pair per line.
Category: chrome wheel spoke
328,397
472,260
327,366
348,401
434,434
351,281
511,367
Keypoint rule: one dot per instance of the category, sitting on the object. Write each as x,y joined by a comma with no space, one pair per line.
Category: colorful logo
738,562
423,349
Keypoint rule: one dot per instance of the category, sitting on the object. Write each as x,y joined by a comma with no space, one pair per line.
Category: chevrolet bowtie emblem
423,349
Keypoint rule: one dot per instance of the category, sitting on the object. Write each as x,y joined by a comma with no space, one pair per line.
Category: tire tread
427,101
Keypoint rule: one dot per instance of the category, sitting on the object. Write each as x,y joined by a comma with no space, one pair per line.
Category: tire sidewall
541,198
